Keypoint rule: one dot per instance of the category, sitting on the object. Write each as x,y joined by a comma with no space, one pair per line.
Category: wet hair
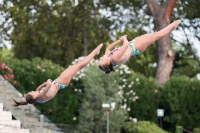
29,99
107,69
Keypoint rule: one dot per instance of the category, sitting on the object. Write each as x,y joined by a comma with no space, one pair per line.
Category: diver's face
104,61
34,93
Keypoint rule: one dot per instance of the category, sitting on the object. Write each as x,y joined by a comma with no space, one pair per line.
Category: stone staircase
31,118
7,125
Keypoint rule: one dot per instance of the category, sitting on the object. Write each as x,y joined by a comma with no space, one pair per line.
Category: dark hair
107,69
29,99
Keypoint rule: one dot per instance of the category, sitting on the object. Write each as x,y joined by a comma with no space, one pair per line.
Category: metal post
160,122
41,123
22,115
5,93
107,114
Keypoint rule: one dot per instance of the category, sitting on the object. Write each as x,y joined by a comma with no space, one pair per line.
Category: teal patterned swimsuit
130,45
135,51
61,86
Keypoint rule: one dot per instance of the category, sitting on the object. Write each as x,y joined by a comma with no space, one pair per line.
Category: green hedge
146,89
142,127
179,129
196,130
180,99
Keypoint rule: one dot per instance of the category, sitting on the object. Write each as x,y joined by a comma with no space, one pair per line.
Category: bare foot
176,23
98,48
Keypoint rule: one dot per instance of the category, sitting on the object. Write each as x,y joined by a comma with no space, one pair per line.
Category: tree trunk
161,15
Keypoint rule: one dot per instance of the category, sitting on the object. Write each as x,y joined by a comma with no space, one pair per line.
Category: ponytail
110,69
16,103
29,99
107,69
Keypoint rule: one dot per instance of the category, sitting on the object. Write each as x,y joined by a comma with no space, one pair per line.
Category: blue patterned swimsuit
62,86
130,45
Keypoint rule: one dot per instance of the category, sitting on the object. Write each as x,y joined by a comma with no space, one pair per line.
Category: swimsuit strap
43,101
112,52
55,83
124,57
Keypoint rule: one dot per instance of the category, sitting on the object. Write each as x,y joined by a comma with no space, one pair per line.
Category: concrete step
31,118
10,92
11,124
37,125
5,115
1,106
28,114
45,131
3,130
32,114
9,95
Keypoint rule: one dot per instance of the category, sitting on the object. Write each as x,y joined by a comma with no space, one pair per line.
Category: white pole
41,123
107,112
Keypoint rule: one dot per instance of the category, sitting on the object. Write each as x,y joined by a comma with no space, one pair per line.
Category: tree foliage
97,92
143,127
63,31
135,16
180,101
178,97
185,64
55,30
189,28
145,105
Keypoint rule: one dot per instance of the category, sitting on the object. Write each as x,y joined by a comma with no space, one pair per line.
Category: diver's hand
49,81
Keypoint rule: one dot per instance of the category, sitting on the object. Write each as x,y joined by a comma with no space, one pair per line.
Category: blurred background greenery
40,38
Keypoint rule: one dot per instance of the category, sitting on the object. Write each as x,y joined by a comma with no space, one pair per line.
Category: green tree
55,30
144,105
180,102
5,54
96,92
188,11
136,17
185,64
